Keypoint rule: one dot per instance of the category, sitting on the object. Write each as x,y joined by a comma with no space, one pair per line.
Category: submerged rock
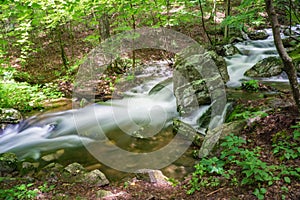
267,67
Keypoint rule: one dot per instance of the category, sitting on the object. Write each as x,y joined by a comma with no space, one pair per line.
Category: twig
214,191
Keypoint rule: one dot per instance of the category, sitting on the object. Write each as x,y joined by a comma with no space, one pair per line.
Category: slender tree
289,67
227,14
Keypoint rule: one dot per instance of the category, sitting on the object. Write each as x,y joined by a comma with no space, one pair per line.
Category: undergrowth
238,166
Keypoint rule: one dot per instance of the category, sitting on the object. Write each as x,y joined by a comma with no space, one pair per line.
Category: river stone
267,67
153,176
74,169
29,168
228,50
258,35
8,163
95,177
75,172
9,116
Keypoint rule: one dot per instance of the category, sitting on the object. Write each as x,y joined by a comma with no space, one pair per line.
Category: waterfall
252,51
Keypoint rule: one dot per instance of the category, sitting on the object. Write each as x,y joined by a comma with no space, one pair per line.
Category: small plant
240,113
240,166
251,85
260,193
24,191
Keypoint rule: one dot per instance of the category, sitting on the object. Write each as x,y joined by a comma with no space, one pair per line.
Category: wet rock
95,177
9,116
8,163
236,40
75,172
51,171
258,35
271,66
195,77
74,169
53,156
188,131
29,168
221,65
228,50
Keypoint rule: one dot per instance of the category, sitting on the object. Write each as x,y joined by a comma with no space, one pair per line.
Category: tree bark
227,13
289,67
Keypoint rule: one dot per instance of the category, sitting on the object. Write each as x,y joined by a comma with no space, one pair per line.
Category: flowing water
253,51
142,113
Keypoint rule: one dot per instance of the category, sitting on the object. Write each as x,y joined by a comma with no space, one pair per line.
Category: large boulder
227,50
195,77
267,67
258,35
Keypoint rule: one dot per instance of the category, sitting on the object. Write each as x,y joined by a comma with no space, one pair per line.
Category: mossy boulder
195,76
258,35
267,67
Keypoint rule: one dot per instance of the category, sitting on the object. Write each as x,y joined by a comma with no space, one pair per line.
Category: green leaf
287,179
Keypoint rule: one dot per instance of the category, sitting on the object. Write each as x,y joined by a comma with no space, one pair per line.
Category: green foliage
24,191
251,85
239,166
19,192
25,97
249,12
287,146
241,112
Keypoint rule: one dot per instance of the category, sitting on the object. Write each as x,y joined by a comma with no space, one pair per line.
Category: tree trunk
289,67
227,14
203,22
104,27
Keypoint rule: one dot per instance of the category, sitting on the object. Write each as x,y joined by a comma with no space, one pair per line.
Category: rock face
258,35
9,116
271,66
195,77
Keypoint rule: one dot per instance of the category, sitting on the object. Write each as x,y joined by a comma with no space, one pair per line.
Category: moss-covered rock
8,163
271,66
258,35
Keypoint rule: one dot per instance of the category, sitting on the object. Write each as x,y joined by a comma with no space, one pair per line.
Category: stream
141,122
